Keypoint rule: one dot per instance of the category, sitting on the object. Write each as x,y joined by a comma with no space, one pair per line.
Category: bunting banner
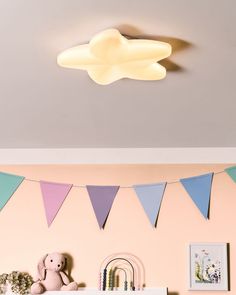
199,189
102,198
150,197
54,194
231,171
8,185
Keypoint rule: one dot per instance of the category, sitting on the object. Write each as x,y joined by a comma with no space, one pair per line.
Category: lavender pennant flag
102,198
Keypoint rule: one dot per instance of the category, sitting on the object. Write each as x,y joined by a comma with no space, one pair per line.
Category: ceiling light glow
109,57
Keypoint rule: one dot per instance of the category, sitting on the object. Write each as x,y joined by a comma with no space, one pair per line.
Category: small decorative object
121,271
3,282
208,266
15,282
51,276
109,56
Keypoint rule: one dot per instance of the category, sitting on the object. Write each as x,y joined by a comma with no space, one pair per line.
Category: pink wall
25,236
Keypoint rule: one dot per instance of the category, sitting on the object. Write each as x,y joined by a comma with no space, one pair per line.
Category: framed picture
208,266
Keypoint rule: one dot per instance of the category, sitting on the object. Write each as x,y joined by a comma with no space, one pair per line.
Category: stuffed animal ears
65,267
41,268
68,263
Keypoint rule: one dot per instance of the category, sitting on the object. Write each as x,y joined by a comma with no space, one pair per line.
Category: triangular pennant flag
8,185
231,171
150,196
102,198
54,194
199,189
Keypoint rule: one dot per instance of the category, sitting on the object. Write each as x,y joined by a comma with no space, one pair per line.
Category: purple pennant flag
102,198
54,194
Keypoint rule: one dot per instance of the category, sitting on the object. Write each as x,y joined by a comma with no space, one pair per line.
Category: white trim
89,291
118,156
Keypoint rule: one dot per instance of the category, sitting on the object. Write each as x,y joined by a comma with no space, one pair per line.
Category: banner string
122,186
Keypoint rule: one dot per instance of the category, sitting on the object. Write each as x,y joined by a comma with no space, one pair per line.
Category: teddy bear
51,276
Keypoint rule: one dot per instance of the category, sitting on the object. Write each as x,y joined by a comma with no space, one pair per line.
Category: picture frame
208,266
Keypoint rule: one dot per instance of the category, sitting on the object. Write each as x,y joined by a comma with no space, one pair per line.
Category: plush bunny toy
50,275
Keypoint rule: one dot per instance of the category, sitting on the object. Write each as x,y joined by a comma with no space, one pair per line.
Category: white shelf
149,291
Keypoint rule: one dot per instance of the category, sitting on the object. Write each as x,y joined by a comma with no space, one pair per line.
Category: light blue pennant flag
150,196
199,189
231,171
8,185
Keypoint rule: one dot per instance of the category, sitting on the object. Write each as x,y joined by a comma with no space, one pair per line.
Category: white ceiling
44,106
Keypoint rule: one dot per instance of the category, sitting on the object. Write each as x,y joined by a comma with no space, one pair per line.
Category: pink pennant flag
54,194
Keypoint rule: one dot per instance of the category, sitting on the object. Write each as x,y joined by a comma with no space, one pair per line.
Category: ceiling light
109,56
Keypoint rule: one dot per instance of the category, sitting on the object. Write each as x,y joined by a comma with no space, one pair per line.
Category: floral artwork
208,267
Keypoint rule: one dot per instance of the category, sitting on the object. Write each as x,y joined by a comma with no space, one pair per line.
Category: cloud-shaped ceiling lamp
109,56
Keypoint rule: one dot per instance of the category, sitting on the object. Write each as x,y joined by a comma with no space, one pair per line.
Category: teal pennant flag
150,197
199,189
8,185
231,171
